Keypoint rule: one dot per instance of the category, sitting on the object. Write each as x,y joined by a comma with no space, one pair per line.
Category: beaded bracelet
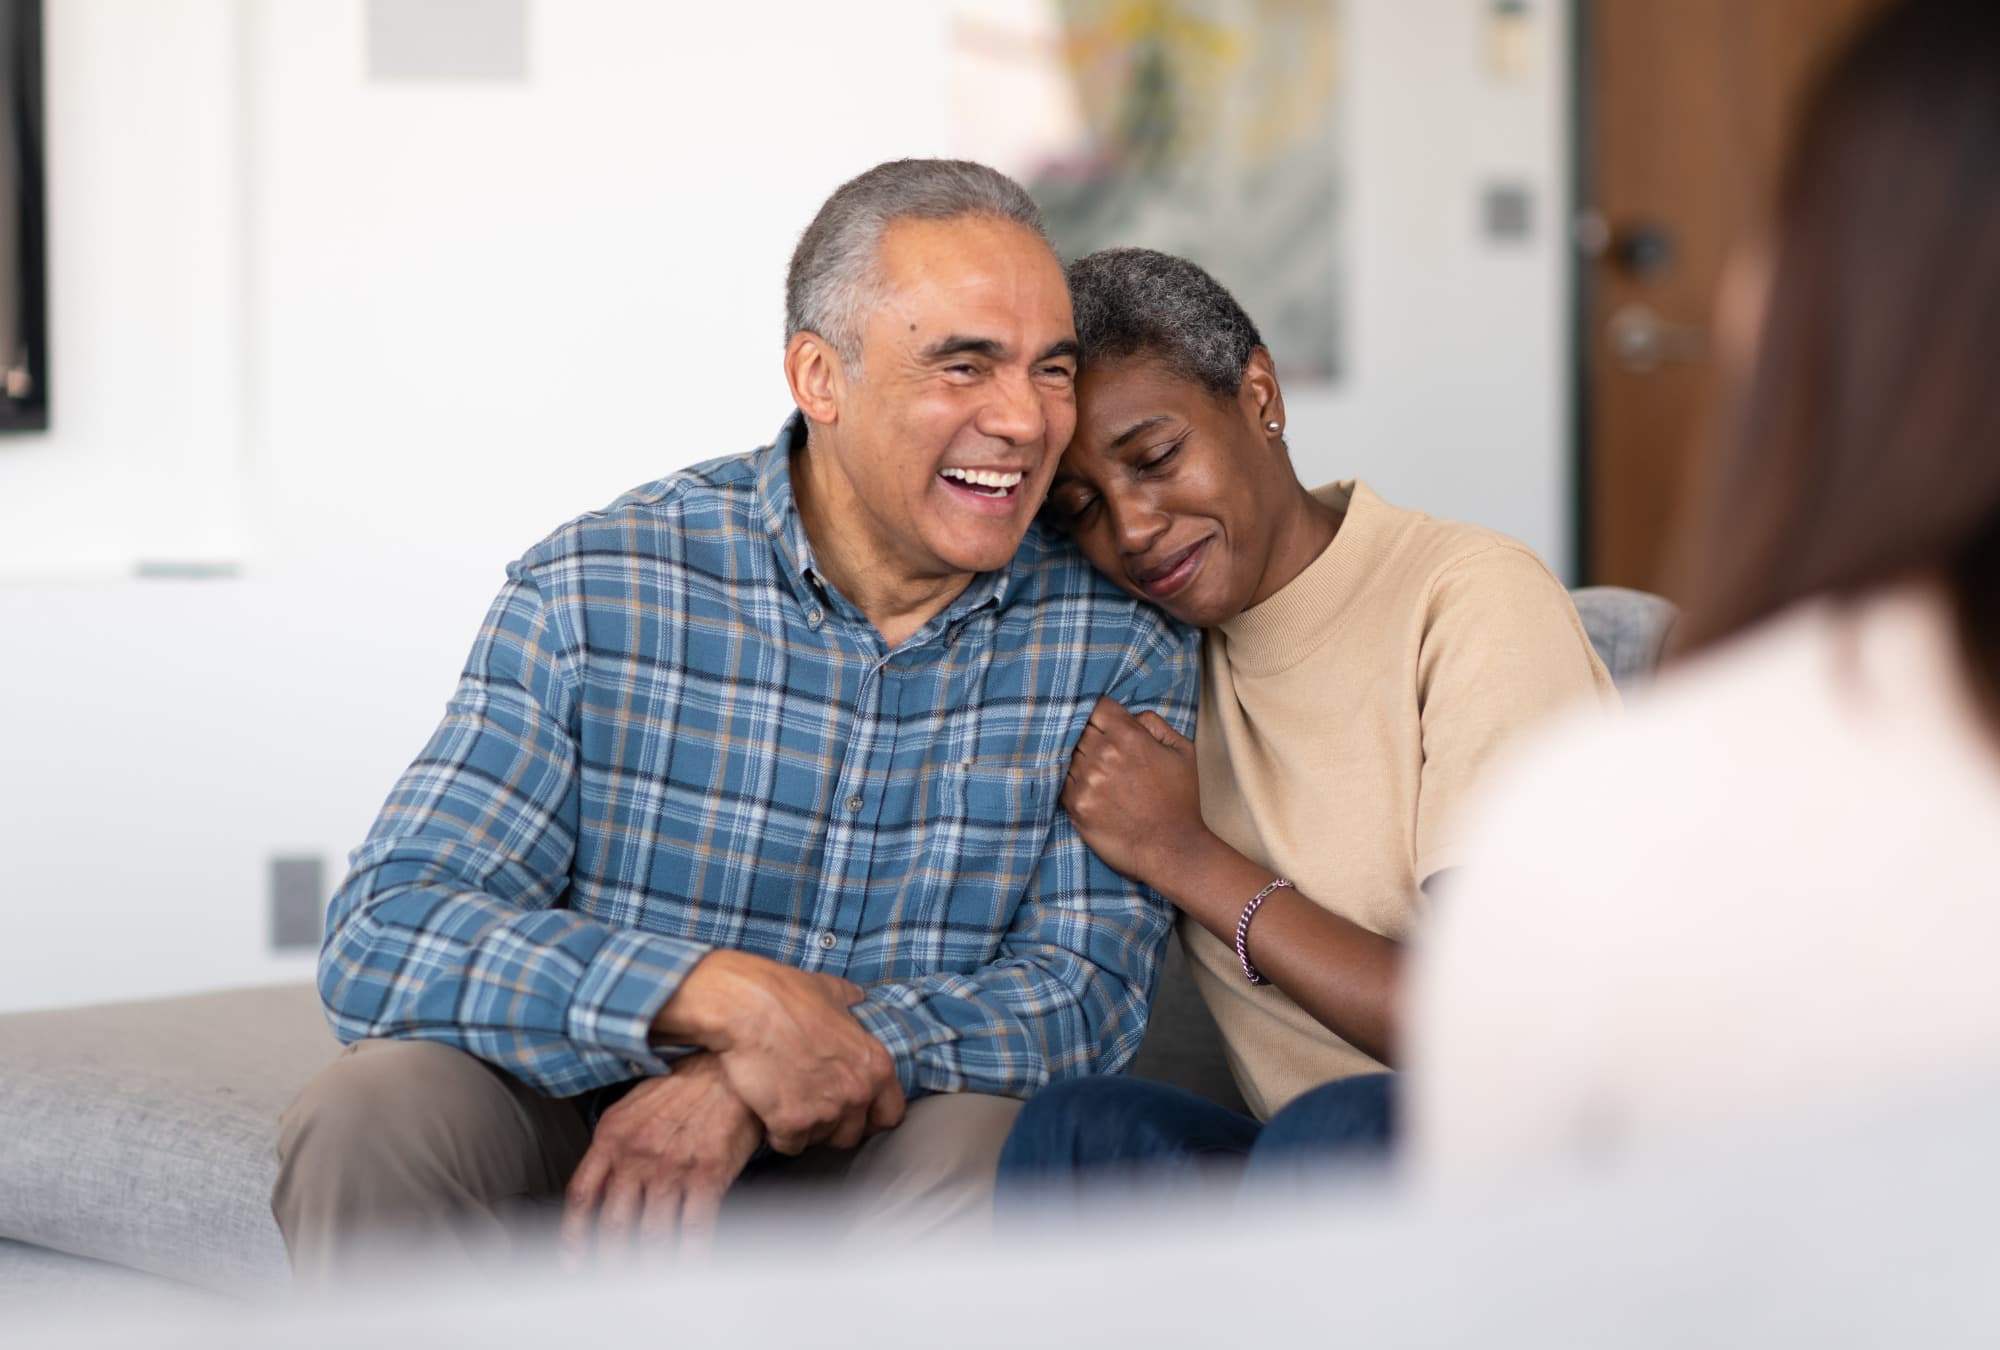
1251,972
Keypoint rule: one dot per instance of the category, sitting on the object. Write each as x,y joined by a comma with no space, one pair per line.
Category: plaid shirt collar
780,513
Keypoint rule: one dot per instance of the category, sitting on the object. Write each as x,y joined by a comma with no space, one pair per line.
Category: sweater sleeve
1502,650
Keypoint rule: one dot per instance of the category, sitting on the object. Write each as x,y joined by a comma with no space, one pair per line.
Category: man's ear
816,375
1261,398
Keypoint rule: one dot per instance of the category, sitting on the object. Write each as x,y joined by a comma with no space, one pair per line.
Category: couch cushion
58,1282
1628,628
145,1133
1183,1046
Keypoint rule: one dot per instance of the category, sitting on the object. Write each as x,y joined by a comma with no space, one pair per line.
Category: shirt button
815,615
854,803
826,941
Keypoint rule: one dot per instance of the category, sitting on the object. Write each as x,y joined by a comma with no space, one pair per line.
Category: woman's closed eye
1162,457
1073,508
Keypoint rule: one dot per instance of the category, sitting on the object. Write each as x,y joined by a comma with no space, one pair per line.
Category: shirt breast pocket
991,822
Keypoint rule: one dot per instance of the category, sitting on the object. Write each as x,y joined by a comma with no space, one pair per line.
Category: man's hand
1133,793
659,1163
789,1047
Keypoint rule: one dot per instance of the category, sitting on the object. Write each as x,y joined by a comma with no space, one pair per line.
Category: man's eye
1063,373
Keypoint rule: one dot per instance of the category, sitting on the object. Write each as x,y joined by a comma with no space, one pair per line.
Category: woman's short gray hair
833,277
1137,302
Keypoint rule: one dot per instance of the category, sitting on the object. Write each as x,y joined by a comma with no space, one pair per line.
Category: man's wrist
702,1010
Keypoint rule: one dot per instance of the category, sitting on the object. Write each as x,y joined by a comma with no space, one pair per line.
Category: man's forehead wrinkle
941,294
954,344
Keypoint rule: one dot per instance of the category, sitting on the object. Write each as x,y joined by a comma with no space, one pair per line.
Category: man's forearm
559,1001
1011,1027
710,999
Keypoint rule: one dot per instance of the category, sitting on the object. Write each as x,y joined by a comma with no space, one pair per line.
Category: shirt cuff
623,988
905,1034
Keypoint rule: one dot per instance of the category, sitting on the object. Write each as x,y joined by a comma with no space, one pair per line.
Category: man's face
966,395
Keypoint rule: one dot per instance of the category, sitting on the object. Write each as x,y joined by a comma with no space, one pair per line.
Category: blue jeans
1140,1131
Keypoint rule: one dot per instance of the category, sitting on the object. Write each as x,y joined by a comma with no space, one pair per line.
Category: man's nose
1014,412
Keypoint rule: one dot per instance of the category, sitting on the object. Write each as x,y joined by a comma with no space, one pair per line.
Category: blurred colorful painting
1199,127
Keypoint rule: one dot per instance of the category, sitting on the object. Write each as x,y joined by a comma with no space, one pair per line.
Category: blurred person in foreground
1768,893
1362,663
740,835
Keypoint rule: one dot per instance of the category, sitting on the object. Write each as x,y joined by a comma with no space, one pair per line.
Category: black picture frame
24,319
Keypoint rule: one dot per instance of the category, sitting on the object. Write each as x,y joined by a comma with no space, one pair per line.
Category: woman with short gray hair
1362,663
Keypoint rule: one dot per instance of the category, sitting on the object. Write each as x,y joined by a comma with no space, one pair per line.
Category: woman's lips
1162,582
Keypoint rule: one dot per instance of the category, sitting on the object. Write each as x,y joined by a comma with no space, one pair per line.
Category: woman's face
1171,491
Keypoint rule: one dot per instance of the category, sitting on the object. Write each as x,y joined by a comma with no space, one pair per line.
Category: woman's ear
818,379
1262,400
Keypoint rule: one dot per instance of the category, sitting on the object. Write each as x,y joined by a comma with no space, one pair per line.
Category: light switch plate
476,41
1506,213
298,902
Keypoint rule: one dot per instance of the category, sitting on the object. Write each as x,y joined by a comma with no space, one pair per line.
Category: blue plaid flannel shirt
672,736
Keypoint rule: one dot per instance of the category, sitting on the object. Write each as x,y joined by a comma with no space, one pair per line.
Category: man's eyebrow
1065,347
1119,441
960,345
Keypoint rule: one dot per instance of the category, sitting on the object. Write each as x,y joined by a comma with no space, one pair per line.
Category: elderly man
739,842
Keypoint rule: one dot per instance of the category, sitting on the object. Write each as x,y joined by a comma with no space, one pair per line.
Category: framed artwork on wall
24,356
1207,128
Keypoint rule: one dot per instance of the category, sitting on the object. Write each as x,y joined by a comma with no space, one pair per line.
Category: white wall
370,341
1457,384
144,225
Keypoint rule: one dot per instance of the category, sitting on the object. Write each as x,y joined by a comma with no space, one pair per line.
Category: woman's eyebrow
1119,441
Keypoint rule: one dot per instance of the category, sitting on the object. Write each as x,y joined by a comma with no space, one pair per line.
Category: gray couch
139,1137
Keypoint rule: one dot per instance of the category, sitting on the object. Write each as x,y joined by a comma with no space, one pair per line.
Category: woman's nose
1136,521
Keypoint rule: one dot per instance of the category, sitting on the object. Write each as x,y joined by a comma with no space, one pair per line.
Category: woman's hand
1133,793
1136,800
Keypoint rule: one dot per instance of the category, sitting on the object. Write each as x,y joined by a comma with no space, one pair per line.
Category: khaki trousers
403,1150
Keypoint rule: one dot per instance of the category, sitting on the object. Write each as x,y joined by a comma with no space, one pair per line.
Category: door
1686,106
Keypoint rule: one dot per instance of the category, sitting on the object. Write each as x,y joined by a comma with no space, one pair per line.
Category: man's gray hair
1136,302
834,278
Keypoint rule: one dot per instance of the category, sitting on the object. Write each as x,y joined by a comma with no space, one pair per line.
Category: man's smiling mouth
985,482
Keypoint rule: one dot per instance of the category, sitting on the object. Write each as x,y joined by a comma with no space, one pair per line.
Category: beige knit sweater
1344,720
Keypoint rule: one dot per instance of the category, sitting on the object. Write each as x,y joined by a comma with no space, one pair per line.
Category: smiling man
739,844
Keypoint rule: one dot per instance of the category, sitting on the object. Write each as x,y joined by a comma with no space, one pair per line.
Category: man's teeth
985,478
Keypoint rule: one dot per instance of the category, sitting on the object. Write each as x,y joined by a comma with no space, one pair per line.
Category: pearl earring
1271,427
